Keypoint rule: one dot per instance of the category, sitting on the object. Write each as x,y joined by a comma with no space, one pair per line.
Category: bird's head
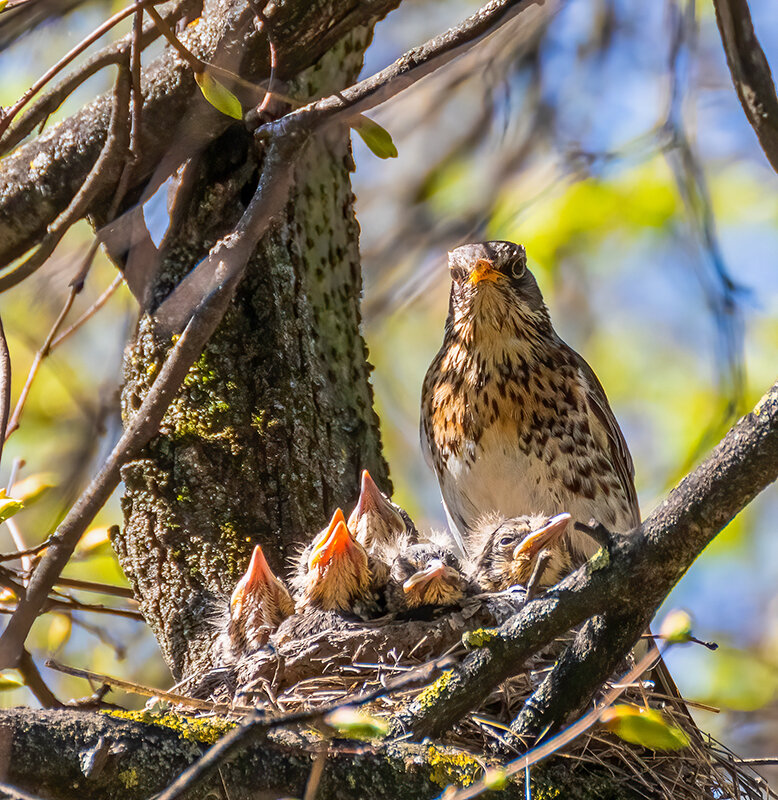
512,550
259,603
338,572
490,284
429,576
375,520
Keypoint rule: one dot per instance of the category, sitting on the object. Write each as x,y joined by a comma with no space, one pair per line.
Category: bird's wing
603,416
425,442
460,551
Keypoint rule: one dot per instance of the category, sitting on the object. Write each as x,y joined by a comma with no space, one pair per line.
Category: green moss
599,560
479,637
452,766
205,730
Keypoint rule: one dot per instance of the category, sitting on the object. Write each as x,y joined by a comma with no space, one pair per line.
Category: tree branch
750,72
633,580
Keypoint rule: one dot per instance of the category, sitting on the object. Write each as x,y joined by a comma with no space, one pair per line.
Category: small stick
144,691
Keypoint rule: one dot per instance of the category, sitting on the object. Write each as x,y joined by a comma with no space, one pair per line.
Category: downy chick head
429,574
509,549
259,603
336,571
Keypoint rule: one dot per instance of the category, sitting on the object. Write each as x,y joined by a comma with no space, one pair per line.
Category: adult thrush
513,420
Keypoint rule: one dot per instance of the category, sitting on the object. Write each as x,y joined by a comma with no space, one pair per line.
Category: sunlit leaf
8,506
741,681
378,139
93,540
7,595
644,726
676,627
355,724
218,95
3,4
58,633
495,778
32,487
8,682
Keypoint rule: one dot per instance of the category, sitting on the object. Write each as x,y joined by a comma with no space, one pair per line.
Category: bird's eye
518,267
506,541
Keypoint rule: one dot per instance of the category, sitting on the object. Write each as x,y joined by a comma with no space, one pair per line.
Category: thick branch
750,73
633,579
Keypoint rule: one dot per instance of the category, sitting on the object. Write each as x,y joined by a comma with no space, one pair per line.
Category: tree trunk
275,420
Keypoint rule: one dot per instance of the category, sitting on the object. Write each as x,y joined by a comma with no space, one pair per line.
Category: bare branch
750,72
5,387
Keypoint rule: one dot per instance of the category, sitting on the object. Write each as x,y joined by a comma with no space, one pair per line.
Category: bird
376,521
427,573
336,573
509,550
259,604
513,420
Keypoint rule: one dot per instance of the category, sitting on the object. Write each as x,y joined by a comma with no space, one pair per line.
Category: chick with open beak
338,574
428,575
376,521
510,549
259,604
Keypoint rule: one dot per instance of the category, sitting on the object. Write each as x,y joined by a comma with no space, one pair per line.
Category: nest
319,658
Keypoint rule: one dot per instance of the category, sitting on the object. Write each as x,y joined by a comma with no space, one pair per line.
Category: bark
275,421
78,755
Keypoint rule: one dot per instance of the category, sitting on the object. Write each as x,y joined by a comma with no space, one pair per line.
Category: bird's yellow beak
335,544
482,271
548,535
258,573
436,571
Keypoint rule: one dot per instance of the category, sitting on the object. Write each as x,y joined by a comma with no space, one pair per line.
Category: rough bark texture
68,755
275,420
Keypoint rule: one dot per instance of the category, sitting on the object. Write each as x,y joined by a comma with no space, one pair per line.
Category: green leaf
354,724
33,487
676,627
3,4
495,778
375,137
8,506
218,95
8,682
644,726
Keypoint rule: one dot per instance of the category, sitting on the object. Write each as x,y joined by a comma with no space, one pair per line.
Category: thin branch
101,175
197,65
9,113
39,111
97,588
35,683
146,691
90,312
30,551
750,73
5,386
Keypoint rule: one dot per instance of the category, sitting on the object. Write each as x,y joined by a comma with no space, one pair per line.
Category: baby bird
259,604
509,550
376,521
428,574
336,573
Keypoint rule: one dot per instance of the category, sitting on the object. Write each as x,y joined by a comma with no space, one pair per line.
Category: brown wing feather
617,445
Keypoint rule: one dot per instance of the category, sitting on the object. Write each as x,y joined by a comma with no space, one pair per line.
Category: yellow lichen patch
452,766
479,637
129,778
428,696
206,730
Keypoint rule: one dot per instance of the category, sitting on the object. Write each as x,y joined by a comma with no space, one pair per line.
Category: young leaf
354,724
644,726
375,137
32,487
218,95
8,682
60,628
8,506
676,627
